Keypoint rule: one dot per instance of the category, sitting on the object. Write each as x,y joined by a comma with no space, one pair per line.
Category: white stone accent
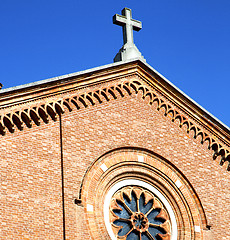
141,184
197,228
104,167
140,158
178,183
89,208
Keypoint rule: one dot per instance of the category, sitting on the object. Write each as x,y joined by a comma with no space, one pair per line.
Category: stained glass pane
137,214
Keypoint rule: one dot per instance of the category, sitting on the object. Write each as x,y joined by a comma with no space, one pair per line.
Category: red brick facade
56,136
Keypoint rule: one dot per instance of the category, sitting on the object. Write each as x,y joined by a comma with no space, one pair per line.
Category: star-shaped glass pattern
137,214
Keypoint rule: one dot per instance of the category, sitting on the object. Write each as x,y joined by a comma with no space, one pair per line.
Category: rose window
137,214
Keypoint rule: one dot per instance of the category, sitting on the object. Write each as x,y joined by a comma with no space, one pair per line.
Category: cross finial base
127,52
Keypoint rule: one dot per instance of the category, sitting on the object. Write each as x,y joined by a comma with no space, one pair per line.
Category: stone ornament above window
136,213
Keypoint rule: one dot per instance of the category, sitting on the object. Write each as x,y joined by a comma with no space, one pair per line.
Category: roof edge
65,76
206,114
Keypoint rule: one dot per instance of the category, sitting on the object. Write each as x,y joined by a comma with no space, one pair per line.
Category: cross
128,24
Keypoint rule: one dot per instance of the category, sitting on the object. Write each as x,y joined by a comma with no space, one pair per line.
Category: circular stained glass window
136,213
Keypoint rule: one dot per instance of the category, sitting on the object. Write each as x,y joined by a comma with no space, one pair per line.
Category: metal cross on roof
128,50
128,24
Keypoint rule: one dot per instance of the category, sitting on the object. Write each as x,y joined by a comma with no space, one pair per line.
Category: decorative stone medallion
135,213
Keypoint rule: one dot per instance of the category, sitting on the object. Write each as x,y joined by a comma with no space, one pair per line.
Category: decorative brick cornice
132,85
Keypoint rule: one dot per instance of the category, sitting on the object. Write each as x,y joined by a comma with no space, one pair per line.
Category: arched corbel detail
131,87
134,87
190,124
97,96
51,112
43,114
161,103
89,97
58,108
183,121
17,121
214,145
148,96
112,93
155,99
222,152
8,123
194,130
34,116
167,108
177,116
164,106
127,89
26,119
106,94
68,104
207,139
75,102
171,113
179,119
185,125
142,89
200,134
118,89
215,148
82,101
103,94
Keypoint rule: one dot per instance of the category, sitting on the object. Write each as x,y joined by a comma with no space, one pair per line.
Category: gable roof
20,105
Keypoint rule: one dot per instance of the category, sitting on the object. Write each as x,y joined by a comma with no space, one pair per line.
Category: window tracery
137,214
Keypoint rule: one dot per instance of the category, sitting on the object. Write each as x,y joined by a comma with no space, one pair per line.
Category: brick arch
133,163
49,111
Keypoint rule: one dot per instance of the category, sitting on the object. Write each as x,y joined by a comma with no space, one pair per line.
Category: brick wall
30,192
31,174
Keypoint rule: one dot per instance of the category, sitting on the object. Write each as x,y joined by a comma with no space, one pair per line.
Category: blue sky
187,41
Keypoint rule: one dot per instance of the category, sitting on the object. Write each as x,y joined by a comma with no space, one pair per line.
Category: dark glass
137,218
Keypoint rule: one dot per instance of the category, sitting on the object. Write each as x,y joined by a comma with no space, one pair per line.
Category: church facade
114,152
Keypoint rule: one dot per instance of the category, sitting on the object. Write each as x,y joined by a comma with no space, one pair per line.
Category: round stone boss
134,209
123,185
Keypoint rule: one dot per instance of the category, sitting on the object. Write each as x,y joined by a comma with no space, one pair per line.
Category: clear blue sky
187,41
